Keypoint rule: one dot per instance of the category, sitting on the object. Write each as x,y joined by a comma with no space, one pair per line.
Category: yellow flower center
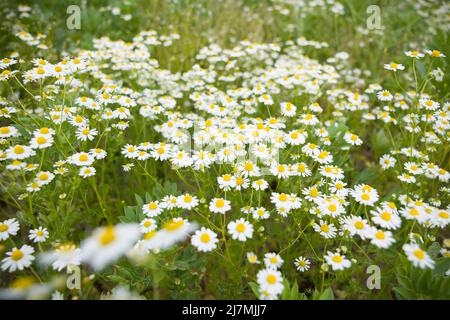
174,225
386,216
337,258
149,235
220,203
19,150
332,207
205,238
271,279
4,130
359,225
16,255
380,235
365,196
248,166
443,214
3,227
107,236
240,227
41,140
419,254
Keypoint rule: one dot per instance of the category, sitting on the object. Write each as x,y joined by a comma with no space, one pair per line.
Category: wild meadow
235,149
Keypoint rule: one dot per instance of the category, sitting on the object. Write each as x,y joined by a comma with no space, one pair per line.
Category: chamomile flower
152,209
107,244
85,133
271,281
302,264
337,261
219,205
226,182
41,141
252,258
204,240
38,235
64,256
417,256
381,239
260,213
147,225
240,229
386,218
8,228
86,172
326,230
365,194
386,161
44,177
187,201
18,259
356,226
260,184
273,260
394,66
19,152
174,230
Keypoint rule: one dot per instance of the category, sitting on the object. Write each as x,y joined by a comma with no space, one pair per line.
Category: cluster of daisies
263,124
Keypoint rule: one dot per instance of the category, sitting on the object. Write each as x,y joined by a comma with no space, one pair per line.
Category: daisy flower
148,225
337,261
273,260
381,239
64,256
18,259
86,172
252,258
302,264
260,184
8,228
270,280
19,152
187,201
204,240
107,244
394,66
326,230
386,218
386,161
38,235
152,208
219,205
414,54
417,256
240,229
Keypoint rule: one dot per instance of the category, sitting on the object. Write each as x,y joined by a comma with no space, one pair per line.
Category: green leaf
255,289
327,294
441,266
434,250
